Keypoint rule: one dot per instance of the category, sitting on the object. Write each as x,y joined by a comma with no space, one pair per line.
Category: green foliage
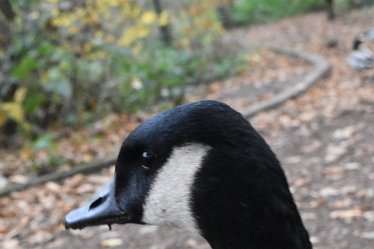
254,11
79,60
258,11
349,4
49,165
24,67
44,142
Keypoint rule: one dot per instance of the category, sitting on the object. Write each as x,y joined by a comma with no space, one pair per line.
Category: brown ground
323,138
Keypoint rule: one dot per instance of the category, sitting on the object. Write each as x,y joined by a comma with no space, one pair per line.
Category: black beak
102,210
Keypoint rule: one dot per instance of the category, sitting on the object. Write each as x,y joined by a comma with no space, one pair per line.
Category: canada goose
361,57
201,167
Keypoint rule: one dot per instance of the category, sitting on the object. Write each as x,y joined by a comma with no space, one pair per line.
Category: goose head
200,167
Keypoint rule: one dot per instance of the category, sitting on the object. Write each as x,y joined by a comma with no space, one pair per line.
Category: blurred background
77,76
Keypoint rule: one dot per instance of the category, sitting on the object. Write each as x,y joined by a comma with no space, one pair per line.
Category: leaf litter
324,139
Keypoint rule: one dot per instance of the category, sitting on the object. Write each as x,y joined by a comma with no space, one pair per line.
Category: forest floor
323,138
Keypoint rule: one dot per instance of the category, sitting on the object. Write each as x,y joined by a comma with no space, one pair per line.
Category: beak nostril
97,202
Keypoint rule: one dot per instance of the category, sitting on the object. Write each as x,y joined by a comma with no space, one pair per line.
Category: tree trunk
330,9
164,29
7,10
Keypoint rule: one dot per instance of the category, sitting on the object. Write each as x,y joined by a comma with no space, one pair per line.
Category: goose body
361,57
203,168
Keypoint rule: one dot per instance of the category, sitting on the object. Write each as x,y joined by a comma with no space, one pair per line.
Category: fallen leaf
18,179
4,229
333,152
349,213
329,191
111,242
344,133
337,170
39,237
311,146
367,235
3,181
309,216
26,153
341,203
11,243
53,187
352,166
76,180
369,215
317,203
299,182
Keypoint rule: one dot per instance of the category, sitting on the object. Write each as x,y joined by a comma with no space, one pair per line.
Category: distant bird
361,57
200,167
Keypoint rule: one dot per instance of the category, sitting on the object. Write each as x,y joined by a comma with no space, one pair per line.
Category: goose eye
147,159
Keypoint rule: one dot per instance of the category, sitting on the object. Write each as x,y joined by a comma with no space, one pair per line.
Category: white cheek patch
169,199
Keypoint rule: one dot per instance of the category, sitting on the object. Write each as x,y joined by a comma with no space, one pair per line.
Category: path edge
320,69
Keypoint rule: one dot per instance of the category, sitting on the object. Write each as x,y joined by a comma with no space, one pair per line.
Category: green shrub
254,11
78,62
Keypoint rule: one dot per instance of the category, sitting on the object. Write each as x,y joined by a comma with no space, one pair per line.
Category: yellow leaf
110,39
87,47
142,32
73,30
127,38
99,34
136,83
111,242
101,55
20,95
26,153
163,19
55,13
136,49
350,213
184,42
135,11
14,110
2,118
113,3
148,17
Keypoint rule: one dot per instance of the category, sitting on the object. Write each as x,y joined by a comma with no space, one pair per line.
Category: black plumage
240,197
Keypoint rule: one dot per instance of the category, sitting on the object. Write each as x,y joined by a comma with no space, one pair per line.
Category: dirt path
324,140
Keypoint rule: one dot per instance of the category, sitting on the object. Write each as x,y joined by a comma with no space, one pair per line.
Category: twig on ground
58,176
